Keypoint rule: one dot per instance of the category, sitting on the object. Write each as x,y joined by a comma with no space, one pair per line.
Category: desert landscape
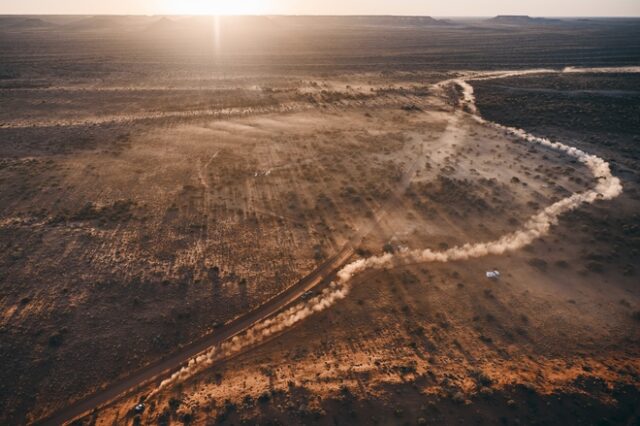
319,220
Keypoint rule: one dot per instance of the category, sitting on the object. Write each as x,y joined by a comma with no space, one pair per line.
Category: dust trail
608,187
223,113
630,69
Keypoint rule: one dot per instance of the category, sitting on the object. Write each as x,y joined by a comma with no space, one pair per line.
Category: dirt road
167,365
325,273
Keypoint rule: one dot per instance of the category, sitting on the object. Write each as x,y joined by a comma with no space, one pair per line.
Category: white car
494,275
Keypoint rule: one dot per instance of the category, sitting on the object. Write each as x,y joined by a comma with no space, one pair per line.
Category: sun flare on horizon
216,7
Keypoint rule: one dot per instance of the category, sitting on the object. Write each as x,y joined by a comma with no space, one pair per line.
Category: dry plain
148,200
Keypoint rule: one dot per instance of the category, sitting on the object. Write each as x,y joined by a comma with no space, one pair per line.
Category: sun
216,7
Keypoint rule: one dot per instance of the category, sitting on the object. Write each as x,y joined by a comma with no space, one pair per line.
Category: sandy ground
152,192
444,334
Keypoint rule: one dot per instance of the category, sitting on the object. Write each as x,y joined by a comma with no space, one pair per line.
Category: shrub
264,397
481,378
538,263
55,340
174,403
458,397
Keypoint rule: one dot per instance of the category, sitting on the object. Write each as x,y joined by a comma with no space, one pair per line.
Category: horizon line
325,15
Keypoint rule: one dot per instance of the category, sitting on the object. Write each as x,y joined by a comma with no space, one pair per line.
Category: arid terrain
167,183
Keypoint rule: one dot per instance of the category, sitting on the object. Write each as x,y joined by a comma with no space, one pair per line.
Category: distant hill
198,25
257,26
108,22
97,23
23,22
414,21
373,21
521,20
163,24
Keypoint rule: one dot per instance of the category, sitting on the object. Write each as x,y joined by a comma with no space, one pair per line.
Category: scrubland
154,189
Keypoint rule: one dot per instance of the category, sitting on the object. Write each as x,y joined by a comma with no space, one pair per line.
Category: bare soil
151,193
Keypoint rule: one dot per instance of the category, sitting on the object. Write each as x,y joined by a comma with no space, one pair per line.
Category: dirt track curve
320,276
166,366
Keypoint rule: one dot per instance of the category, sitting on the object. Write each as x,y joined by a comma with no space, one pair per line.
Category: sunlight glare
216,7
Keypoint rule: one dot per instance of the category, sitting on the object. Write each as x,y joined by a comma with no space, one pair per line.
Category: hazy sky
329,7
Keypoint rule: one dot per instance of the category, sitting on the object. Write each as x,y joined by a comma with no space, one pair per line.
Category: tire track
257,329
608,187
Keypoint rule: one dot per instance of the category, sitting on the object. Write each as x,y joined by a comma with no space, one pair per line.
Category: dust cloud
608,187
